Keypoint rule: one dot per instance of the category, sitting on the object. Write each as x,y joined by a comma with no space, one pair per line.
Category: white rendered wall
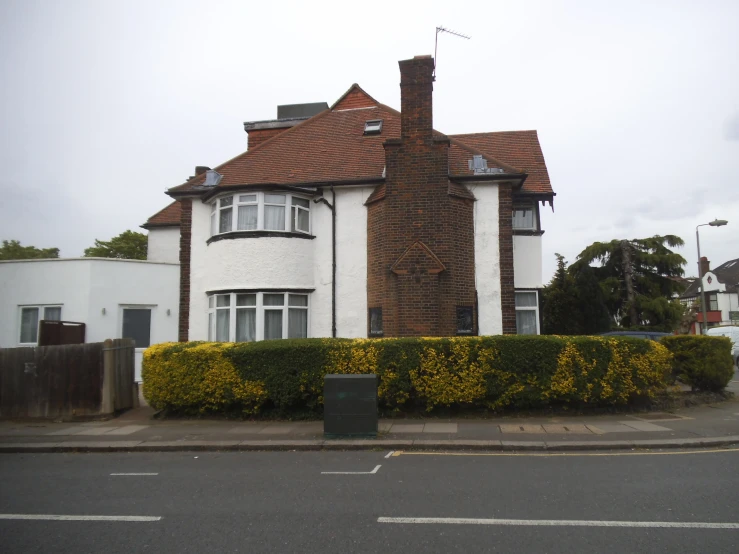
289,263
85,287
527,262
351,257
487,259
164,245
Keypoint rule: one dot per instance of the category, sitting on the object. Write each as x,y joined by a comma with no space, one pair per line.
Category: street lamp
714,223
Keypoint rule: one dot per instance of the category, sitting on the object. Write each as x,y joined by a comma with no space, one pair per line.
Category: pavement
368,502
138,431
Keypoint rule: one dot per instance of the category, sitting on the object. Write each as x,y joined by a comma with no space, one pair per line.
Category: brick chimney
200,169
705,266
416,88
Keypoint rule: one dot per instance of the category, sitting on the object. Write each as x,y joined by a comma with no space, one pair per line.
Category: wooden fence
67,381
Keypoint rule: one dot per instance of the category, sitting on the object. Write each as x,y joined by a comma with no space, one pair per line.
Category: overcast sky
104,105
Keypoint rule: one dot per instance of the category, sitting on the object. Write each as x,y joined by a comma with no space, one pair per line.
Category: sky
106,104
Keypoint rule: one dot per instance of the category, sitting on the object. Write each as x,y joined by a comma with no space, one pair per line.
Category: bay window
252,316
260,211
525,216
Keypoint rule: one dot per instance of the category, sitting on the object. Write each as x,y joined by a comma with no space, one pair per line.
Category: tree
638,278
129,245
573,303
12,250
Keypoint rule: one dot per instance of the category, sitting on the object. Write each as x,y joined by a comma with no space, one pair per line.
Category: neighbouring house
113,298
721,287
357,220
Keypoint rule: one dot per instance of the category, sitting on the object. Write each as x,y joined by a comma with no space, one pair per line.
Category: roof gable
166,217
354,98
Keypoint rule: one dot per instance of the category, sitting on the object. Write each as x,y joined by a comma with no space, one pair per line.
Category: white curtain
274,218
223,322
526,322
29,325
297,323
53,313
246,325
225,221
247,218
523,218
272,324
526,300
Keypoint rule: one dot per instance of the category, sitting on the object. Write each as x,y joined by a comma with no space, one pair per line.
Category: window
375,322
137,326
524,216
30,319
260,211
712,301
465,325
373,127
527,313
248,317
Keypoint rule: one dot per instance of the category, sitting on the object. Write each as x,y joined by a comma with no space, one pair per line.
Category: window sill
528,232
259,234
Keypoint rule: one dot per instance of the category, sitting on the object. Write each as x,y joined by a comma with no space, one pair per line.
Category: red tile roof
168,217
331,147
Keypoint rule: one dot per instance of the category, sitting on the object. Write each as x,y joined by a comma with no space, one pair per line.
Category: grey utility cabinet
350,405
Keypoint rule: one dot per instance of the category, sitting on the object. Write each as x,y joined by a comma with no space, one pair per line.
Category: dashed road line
352,472
389,454
50,517
560,522
563,454
133,474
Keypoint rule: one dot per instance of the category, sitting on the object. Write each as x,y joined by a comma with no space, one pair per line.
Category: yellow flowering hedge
285,377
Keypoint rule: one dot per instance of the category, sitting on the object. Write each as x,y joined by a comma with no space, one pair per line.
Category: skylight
373,127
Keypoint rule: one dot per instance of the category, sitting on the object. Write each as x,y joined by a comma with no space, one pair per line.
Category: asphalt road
282,502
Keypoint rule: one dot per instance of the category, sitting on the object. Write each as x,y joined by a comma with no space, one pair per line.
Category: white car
731,331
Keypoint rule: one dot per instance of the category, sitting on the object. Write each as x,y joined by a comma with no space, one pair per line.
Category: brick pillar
185,240
505,246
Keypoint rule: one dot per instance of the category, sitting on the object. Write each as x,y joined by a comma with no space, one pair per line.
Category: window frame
150,308
260,308
711,301
534,308
38,307
291,212
519,205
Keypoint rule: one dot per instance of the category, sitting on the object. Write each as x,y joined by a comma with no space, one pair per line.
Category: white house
113,298
721,287
356,220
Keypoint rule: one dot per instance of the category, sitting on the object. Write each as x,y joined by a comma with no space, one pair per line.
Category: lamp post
714,223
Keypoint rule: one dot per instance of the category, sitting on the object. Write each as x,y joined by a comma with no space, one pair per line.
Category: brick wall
419,288
258,136
185,241
505,245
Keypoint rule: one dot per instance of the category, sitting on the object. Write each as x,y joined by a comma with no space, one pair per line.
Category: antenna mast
436,41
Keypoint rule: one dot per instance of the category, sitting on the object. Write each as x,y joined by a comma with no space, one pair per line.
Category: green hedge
704,363
285,377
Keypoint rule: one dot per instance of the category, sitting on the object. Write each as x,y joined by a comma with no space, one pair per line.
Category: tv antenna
436,41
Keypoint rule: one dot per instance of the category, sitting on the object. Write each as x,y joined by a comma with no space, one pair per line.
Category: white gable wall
164,244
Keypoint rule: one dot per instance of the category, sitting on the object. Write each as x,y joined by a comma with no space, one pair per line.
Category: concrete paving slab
521,428
407,428
65,431
595,429
614,428
440,428
569,429
92,431
384,426
127,430
276,430
247,429
523,445
644,426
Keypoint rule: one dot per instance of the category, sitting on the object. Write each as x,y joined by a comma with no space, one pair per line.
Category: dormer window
373,127
212,178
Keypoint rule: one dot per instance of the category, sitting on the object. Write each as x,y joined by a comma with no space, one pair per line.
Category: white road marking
351,472
560,522
48,517
134,474
389,454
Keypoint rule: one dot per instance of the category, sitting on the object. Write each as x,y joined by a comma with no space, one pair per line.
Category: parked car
731,331
650,335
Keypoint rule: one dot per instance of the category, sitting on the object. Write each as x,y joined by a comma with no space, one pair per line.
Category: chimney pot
705,266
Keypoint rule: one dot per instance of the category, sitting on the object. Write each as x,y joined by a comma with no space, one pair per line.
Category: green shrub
285,377
702,362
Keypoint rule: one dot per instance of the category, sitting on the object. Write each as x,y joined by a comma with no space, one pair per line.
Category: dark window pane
29,325
375,321
137,326
465,319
